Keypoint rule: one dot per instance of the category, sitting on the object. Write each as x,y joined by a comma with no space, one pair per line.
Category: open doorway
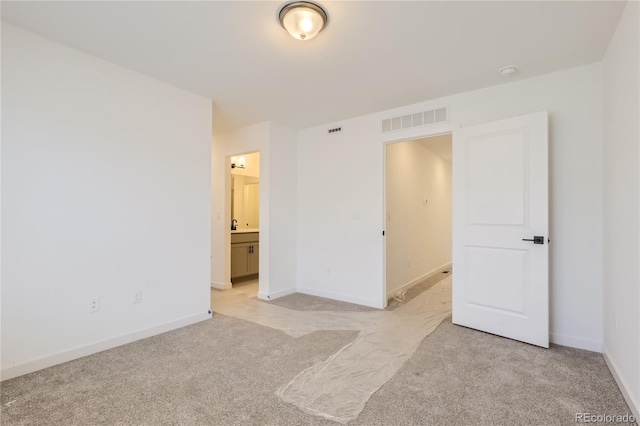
418,204
245,220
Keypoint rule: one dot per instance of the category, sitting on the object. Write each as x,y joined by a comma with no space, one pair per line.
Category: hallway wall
418,234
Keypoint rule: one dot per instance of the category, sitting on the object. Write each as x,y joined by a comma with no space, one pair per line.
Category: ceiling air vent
425,118
334,130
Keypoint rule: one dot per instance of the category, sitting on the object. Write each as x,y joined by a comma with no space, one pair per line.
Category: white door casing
500,197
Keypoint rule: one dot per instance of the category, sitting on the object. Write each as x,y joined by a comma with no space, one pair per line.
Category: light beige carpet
225,371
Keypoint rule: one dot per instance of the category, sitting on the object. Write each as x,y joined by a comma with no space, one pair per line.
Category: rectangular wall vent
335,129
424,118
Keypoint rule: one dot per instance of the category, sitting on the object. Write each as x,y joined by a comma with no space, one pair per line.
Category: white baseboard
220,286
92,348
419,279
575,342
276,294
634,405
340,297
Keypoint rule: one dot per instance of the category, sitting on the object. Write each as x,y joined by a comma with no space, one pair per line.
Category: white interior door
500,187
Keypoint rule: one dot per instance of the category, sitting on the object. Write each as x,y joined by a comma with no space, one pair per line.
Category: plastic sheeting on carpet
339,387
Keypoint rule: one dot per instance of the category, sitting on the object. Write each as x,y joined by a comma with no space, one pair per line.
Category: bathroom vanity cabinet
245,254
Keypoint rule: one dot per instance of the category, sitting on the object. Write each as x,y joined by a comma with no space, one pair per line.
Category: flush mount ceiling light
302,19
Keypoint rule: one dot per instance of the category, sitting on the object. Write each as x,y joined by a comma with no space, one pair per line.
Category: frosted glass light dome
303,20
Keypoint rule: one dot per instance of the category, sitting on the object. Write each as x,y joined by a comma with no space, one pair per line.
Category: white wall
283,216
621,159
105,190
277,147
418,235
340,196
340,212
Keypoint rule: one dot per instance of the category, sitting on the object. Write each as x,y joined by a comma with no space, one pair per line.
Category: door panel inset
497,179
496,278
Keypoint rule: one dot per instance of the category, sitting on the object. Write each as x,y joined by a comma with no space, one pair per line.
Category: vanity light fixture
303,19
238,162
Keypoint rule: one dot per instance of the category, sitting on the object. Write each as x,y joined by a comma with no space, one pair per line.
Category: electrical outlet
137,296
94,304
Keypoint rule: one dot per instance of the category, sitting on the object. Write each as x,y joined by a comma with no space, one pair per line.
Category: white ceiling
372,56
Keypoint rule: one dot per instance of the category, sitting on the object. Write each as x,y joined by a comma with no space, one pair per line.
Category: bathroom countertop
245,230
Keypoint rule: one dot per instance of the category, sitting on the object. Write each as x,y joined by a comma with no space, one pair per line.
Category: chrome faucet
234,224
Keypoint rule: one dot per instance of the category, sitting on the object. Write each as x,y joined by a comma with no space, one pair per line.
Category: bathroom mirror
245,201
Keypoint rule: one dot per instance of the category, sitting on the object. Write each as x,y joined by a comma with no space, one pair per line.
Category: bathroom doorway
245,220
